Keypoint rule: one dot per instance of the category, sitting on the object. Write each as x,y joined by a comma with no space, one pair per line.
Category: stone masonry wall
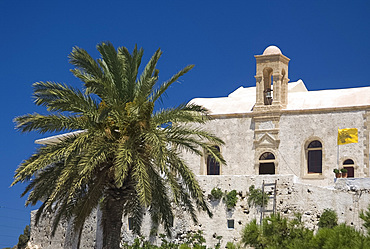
41,234
347,198
295,131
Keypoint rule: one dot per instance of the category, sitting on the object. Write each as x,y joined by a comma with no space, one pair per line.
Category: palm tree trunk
111,222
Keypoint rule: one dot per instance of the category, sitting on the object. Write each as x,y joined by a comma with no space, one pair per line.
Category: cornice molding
289,112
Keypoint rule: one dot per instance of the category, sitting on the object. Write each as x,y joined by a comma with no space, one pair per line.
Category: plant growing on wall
231,245
329,219
231,199
195,239
218,238
257,197
216,193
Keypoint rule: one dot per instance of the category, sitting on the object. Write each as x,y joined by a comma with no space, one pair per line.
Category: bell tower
271,98
271,80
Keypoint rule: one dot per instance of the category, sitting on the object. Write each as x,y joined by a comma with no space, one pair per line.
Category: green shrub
24,238
341,236
231,199
251,235
257,197
231,245
277,232
140,243
365,216
165,244
329,219
216,193
184,246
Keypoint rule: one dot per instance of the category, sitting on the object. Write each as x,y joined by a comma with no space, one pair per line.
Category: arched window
267,164
349,166
314,157
213,167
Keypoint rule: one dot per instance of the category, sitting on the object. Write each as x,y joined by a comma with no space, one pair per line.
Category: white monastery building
279,127
277,131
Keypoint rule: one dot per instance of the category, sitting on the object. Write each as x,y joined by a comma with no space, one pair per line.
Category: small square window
130,223
230,224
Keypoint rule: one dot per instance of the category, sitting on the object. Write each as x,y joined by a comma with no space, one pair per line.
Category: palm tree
127,157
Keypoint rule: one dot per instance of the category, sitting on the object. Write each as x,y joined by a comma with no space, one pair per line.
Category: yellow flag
347,136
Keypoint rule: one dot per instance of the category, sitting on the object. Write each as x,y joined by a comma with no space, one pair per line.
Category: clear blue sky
328,43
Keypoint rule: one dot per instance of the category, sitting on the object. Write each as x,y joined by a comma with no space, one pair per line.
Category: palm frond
134,210
89,201
123,160
42,185
188,180
132,64
114,70
156,94
45,157
49,123
92,84
181,114
141,176
160,208
97,157
59,97
148,78
82,60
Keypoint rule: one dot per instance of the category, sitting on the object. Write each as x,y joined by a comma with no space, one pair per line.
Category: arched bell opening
267,85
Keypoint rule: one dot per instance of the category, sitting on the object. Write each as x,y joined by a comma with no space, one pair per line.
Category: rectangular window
350,172
315,161
230,224
213,167
130,223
